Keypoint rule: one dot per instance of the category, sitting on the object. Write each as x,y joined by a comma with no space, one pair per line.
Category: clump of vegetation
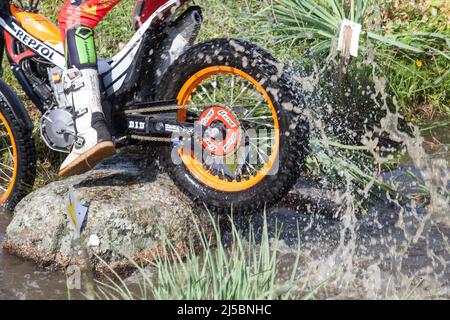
246,269
421,81
409,45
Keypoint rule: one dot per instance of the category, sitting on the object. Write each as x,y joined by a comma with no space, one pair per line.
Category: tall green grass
245,269
413,56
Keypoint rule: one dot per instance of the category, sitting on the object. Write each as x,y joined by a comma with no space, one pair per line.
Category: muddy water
377,260
21,279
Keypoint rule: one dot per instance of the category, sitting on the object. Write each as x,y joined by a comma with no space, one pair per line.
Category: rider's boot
93,140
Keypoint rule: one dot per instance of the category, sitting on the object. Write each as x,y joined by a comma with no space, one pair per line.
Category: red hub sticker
222,135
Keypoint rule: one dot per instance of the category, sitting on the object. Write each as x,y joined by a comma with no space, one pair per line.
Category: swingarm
158,121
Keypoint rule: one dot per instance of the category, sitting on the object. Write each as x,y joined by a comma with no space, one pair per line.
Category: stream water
21,279
378,259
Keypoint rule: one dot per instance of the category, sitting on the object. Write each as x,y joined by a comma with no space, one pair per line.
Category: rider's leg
77,20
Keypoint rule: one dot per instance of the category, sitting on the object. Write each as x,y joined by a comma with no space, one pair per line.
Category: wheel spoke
6,166
7,179
232,90
259,118
7,148
259,149
253,110
244,88
262,138
267,125
205,91
215,88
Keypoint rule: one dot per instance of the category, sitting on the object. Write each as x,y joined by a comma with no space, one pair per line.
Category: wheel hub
222,136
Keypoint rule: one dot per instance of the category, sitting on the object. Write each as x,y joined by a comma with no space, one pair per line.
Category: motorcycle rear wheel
261,94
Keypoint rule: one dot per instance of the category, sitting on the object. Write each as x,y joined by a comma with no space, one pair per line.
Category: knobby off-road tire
283,91
21,166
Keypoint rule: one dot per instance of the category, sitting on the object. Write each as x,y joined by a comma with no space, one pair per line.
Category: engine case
57,124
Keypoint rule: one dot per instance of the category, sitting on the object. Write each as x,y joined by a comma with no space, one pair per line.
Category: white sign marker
348,42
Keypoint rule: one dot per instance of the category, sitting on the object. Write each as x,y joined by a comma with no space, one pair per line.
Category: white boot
93,140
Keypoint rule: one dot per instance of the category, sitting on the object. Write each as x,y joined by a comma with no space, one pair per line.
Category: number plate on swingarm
157,125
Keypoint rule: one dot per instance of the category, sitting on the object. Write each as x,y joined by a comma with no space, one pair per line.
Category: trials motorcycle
226,118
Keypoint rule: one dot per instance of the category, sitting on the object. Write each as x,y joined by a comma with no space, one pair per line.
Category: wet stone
132,207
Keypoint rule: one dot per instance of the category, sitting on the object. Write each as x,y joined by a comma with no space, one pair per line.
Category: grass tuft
246,269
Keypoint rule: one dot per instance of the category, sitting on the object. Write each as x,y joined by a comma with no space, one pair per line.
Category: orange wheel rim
196,168
7,178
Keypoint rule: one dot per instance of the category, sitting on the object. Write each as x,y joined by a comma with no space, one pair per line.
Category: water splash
391,239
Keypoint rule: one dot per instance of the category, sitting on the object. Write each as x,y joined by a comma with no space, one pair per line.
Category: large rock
132,207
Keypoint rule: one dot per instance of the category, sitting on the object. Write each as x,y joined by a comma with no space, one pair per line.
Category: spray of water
391,234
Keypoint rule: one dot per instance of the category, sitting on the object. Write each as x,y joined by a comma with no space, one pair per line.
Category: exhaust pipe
181,35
